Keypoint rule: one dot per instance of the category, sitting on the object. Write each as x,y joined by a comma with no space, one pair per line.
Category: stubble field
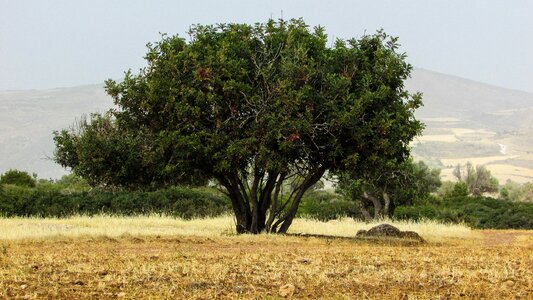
158,257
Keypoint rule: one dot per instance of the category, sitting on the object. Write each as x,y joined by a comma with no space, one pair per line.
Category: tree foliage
254,107
103,152
477,179
16,177
513,191
72,182
388,185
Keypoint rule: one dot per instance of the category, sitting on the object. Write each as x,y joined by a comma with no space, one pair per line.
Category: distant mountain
471,121
473,103
28,118
465,119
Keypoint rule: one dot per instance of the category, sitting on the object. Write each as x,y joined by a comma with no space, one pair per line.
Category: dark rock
411,235
361,232
386,230
382,230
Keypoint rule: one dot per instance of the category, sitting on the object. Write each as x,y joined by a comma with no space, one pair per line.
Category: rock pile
386,230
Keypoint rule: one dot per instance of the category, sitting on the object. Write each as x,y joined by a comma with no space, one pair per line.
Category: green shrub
51,201
16,177
416,212
325,206
478,212
72,183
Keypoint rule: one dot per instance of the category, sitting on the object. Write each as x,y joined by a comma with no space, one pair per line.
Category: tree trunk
386,207
243,222
274,205
241,210
287,219
365,213
376,204
251,204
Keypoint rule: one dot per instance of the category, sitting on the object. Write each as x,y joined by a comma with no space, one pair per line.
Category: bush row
56,200
456,207
324,206
52,202
478,212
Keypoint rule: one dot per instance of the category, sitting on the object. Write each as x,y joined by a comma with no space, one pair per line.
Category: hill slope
471,121
466,120
28,118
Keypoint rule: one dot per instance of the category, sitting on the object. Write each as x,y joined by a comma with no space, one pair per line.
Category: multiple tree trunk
259,201
261,204
381,209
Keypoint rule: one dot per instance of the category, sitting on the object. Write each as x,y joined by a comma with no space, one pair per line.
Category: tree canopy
477,179
253,107
388,185
16,177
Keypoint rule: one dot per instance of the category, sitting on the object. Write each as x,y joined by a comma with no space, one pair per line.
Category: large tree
254,107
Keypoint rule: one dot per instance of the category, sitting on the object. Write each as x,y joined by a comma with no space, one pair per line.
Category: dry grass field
165,258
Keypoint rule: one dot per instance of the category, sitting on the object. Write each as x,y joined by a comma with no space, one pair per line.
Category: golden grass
164,258
110,226
431,231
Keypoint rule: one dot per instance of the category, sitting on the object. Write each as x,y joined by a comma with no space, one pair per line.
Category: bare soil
180,267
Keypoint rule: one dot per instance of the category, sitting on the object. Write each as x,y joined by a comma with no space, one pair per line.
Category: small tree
264,110
17,177
387,186
513,191
478,179
72,182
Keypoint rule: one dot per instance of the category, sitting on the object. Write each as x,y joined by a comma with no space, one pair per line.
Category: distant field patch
469,131
517,174
442,119
436,131
524,161
501,171
19,228
455,150
448,138
452,162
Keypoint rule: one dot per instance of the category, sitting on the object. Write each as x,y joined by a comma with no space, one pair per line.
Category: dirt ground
500,266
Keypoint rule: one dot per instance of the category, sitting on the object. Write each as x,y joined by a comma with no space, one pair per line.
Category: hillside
28,118
465,120
471,121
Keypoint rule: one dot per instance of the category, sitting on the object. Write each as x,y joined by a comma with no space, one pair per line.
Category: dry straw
154,225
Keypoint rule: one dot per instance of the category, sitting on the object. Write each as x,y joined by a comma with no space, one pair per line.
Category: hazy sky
47,44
